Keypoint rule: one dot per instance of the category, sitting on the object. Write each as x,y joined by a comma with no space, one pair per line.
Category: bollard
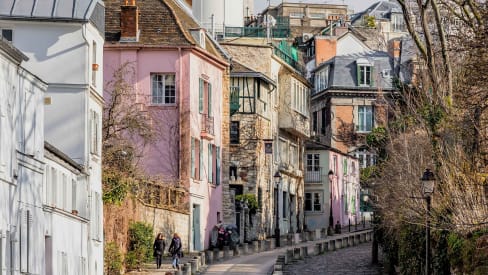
186,269
255,247
356,239
262,245
350,241
317,249
297,254
226,252
178,272
318,234
216,255
272,243
199,263
194,267
203,259
245,248
368,236
290,253
362,237
305,251
345,242
331,246
338,243
209,257
267,245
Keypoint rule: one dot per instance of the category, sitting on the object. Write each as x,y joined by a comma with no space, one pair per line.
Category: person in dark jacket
175,250
159,246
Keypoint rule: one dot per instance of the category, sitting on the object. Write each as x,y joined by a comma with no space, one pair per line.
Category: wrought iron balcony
207,127
313,176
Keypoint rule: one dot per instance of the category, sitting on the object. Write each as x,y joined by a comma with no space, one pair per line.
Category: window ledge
154,105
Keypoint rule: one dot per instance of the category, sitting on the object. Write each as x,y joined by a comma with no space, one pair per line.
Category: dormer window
201,39
364,72
199,36
7,34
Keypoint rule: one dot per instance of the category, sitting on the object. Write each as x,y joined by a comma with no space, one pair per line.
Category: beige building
268,125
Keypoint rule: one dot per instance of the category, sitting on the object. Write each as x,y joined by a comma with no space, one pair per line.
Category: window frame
313,162
310,203
163,94
235,135
365,114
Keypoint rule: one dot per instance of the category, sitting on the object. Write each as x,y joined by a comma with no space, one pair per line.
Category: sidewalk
258,263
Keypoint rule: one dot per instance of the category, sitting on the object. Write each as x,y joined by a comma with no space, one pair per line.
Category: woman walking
159,246
175,250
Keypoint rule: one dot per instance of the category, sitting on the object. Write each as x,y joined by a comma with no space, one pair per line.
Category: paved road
354,260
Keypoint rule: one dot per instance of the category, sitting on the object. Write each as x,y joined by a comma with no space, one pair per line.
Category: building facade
332,189
22,222
67,55
180,79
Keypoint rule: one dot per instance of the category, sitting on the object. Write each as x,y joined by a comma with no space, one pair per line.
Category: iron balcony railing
313,175
208,124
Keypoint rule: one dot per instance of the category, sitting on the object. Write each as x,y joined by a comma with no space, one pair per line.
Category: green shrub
140,245
252,203
113,259
411,249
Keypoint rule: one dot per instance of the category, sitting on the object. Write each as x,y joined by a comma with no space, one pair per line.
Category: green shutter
210,159
217,166
192,158
209,99
200,97
201,159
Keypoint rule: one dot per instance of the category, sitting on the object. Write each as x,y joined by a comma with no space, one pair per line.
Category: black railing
315,175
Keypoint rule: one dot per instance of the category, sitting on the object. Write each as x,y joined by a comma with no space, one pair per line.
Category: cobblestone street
353,260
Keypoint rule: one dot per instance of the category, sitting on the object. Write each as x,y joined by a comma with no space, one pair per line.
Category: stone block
278,267
318,234
186,269
356,239
262,245
317,249
298,253
255,247
362,237
350,240
245,248
216,255
199,263
279,272
203,259
194,266
290,254
306,250
237,251
226,253
345,242
272,243
209,257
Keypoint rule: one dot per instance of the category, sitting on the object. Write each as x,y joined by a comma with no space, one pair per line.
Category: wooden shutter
201,160
210,162
192,165
209,99
217,165
200,96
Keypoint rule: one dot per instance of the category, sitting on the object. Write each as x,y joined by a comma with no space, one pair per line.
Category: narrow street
352,260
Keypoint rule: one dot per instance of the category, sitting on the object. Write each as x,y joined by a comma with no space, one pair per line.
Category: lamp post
428,181
331,215
277,181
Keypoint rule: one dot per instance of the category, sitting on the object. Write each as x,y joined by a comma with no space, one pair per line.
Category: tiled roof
48,9
161,23
240,70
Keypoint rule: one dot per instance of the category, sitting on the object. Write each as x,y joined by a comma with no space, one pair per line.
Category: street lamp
428,181
277,181
331,216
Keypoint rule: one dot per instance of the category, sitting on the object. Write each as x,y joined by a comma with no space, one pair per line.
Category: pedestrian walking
175,250
159,246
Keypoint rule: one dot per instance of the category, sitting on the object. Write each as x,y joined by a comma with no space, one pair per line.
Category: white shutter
74,199
25,235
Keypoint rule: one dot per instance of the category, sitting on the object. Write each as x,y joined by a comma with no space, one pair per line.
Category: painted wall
319,219
169,157
21,169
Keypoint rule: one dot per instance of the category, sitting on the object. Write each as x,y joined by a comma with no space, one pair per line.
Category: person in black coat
175,250
159,246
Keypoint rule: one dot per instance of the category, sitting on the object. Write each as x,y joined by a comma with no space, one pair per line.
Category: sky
356,5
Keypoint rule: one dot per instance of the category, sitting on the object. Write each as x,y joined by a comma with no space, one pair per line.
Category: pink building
179,78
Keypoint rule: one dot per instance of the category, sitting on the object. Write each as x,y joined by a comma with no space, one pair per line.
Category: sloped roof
161,23
240,70
380,10
343,71
77,10
12,51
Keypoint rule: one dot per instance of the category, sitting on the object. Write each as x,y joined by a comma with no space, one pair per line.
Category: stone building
268,128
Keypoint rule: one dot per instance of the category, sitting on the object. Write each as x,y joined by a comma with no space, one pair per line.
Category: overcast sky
356,5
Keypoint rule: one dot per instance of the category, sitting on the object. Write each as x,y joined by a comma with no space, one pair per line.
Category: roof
12,51
343,70
78,10
161,23
312,145
55,151
240,70
380,10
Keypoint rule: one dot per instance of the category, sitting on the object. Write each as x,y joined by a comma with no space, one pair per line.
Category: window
205,97
299,97
321,79
313,201
397,23
192,160
313,161
344,166
95,133
296,14
365,118
285,204
317,15
315,118
163,89
7,34
364,75
294,155
365,157
234,132
323,121
283,151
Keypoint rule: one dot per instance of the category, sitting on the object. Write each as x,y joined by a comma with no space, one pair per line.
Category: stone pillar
338,243
356,239
186,269
290,254
226,253
332,245
317,249
318,234
305,251
267,245
237,251
255,247
203,259
272,243
350,240
216,255
199,263
362,237
262,245
245,248
194,266
209,257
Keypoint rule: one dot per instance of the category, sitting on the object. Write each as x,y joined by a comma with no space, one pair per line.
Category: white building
21,165
63,40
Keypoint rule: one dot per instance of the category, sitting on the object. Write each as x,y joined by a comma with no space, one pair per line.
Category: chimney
394,49
325,49
129,22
